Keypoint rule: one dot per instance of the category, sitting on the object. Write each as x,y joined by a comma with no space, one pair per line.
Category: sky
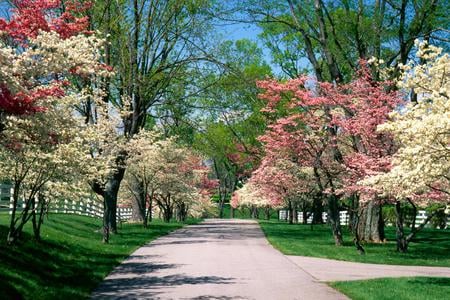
239,31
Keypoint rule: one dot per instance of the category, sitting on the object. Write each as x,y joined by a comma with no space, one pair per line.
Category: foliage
390,216
421,165
329,37
46,148
171,175
273,183
440,215
39,45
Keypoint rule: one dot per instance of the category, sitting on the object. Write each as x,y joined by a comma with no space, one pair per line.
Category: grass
407,288
430,248
71,260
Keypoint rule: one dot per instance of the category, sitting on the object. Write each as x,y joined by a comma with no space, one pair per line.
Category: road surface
218,259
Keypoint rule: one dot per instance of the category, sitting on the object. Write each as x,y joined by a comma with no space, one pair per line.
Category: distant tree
172,177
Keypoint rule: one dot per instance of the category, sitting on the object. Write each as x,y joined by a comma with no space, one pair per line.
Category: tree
232,118
420,167
43,144
361,106
328,38
333,35
171,175
44,155
19,90
279,182
151,47
301,132
331,129
46,148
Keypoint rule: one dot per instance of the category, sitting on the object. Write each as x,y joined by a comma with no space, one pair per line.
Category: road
218,259
334,270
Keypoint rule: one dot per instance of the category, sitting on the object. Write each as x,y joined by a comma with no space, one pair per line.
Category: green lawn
407,288
71,260
430,248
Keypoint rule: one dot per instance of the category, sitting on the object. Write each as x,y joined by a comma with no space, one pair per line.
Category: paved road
334,270
218,259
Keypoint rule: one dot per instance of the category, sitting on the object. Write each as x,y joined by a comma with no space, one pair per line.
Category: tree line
116,97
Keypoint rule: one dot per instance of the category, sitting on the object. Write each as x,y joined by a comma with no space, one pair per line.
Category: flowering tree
67,53
45,148
362,105
332,130
279,182
171,176
302,132
420,167
252,196
37,23
44,155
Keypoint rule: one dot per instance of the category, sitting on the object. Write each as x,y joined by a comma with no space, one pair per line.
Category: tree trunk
34,221
221,204
166,208
294,213
37,218
290,212
334,219
231,212
402,245
148,210
267,211
167,214
370,224
353,215
138,201
317,210
11,237
305,217
181,212
254,212
16,225
110,204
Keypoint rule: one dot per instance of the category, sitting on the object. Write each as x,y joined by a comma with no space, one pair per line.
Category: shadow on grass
70,261
430,281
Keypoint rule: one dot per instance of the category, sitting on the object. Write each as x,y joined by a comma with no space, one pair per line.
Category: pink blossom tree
21,91
331,129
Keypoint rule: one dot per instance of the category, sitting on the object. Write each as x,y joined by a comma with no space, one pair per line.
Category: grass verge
71,260
430,248
406,288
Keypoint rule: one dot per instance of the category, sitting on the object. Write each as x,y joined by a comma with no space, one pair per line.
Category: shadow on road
146,287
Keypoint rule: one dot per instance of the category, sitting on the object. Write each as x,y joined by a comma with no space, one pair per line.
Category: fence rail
344,217
84,207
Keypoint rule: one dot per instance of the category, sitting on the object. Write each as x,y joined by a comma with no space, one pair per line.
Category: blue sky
239,31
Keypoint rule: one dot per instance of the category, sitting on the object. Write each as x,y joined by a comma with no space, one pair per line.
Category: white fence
284,215
344,217
85,207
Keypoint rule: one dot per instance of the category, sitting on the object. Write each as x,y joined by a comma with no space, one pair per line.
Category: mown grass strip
71,260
